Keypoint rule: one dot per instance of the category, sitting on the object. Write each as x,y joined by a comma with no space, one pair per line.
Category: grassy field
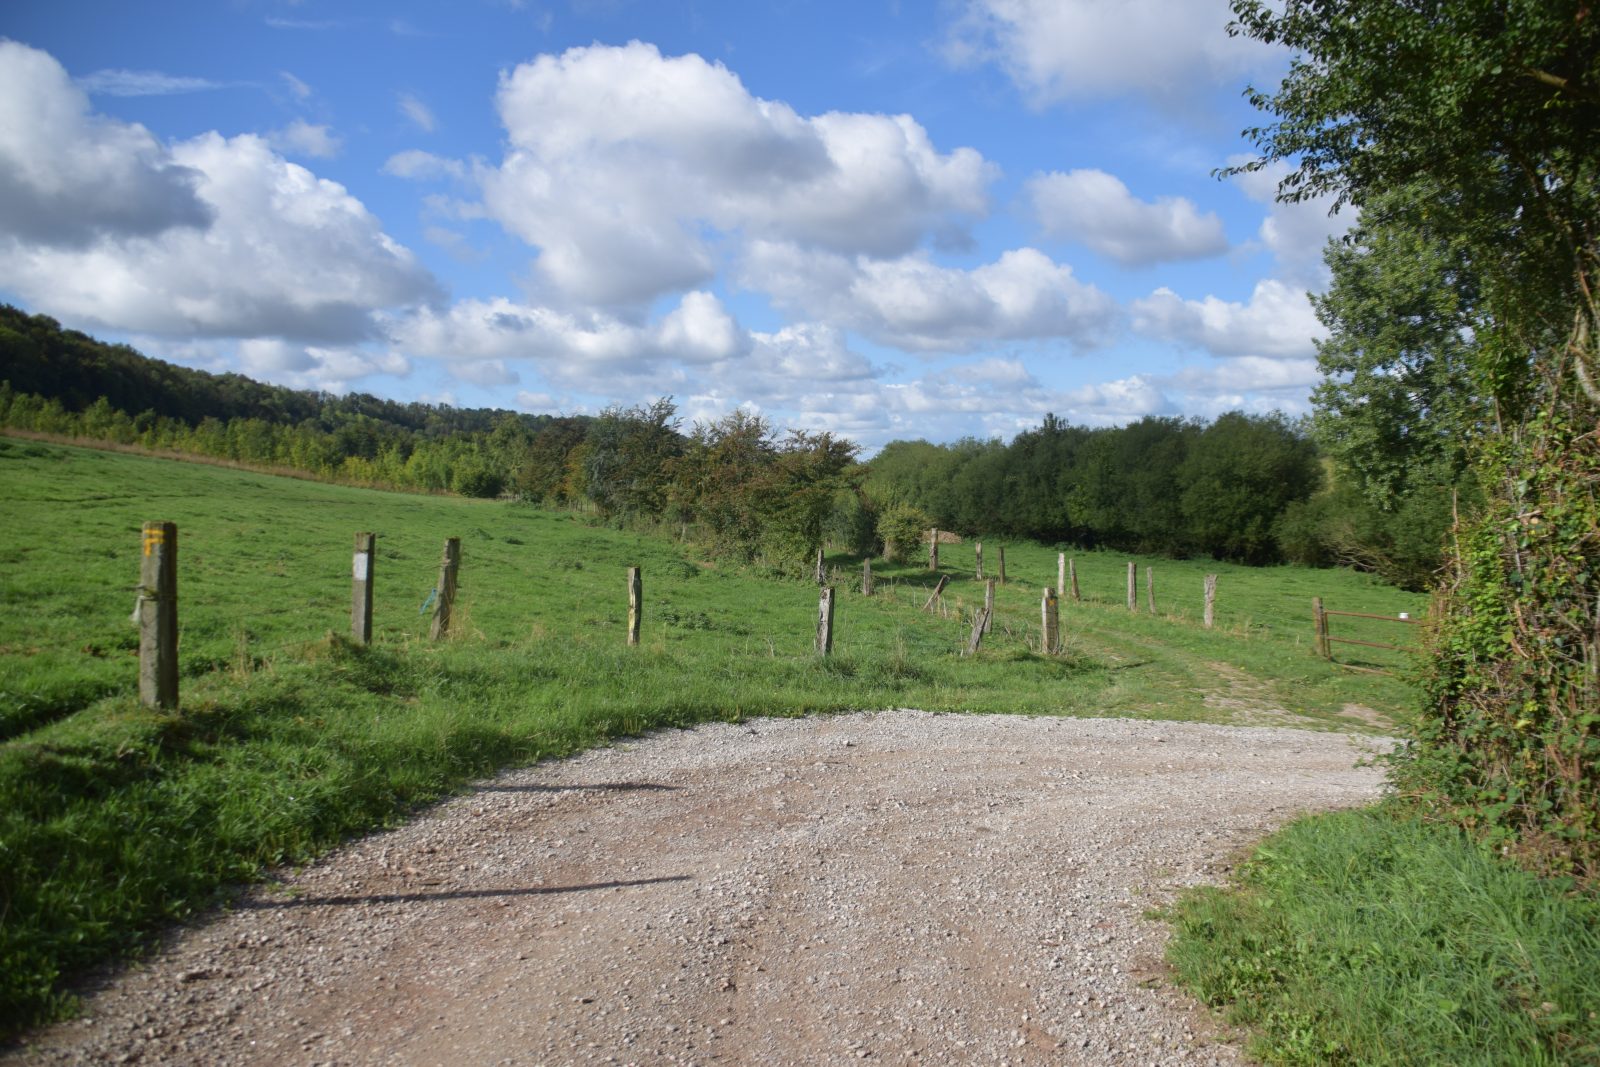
115,820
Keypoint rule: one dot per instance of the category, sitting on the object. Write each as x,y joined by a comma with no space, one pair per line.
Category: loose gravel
895,887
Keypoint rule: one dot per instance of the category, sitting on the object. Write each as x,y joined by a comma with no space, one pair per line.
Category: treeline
1167,486
1244,487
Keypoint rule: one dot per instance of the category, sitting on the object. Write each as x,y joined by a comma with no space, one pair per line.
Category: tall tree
1495,104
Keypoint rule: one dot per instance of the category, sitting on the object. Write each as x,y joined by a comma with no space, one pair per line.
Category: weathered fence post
867,585
933,549
1061,574
1211,599
825,621
1001,563
988,604
158,616
361,589
980,626
1072,577
635,604
446,589
977,553
1051,622
1319,621
937,591
1133,586
822,573
1150,588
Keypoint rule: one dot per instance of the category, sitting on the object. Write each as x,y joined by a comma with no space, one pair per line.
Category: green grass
116,820
1369,938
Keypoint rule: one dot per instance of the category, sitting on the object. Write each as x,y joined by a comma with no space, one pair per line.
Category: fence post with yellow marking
1050,622
158,616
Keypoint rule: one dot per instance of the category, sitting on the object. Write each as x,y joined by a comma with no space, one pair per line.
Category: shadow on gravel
458,894
610,787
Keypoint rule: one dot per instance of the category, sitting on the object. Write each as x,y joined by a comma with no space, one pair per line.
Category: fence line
158,604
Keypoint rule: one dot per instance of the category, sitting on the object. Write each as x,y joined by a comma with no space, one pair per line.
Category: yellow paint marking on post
153,536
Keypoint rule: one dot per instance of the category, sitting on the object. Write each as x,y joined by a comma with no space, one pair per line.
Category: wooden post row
446,589
158,616
825,622
867,584
1133,586
1051,628
1211,600
361,589
635,604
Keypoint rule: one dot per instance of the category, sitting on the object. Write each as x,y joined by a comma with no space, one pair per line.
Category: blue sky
885,219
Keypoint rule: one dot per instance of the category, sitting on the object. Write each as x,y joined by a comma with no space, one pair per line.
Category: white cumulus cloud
626,168
1098,210
1064,49
1277,322
915,303
70,177
210,237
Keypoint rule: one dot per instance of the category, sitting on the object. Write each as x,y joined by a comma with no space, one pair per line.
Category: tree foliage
1160,484
1494,107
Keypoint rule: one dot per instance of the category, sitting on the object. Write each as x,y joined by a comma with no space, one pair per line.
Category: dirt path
899,887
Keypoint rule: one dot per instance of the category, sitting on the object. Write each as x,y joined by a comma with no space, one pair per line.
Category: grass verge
1370,937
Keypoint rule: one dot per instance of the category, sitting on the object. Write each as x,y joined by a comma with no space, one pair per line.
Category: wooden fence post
988,604
1211,600
1150,588
1072,577
445,592
937,590
158,616
980,626
867,585
1319,622
1051,622
361,589
933,549
635,604
1133,586
1061,574
977,553
822,572
825,621
1001,563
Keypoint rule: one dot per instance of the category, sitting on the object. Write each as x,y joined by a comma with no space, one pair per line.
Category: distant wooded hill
38,356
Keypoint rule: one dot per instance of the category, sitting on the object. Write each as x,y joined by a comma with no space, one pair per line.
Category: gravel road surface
896,887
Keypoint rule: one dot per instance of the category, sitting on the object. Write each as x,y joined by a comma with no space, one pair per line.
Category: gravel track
893,887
